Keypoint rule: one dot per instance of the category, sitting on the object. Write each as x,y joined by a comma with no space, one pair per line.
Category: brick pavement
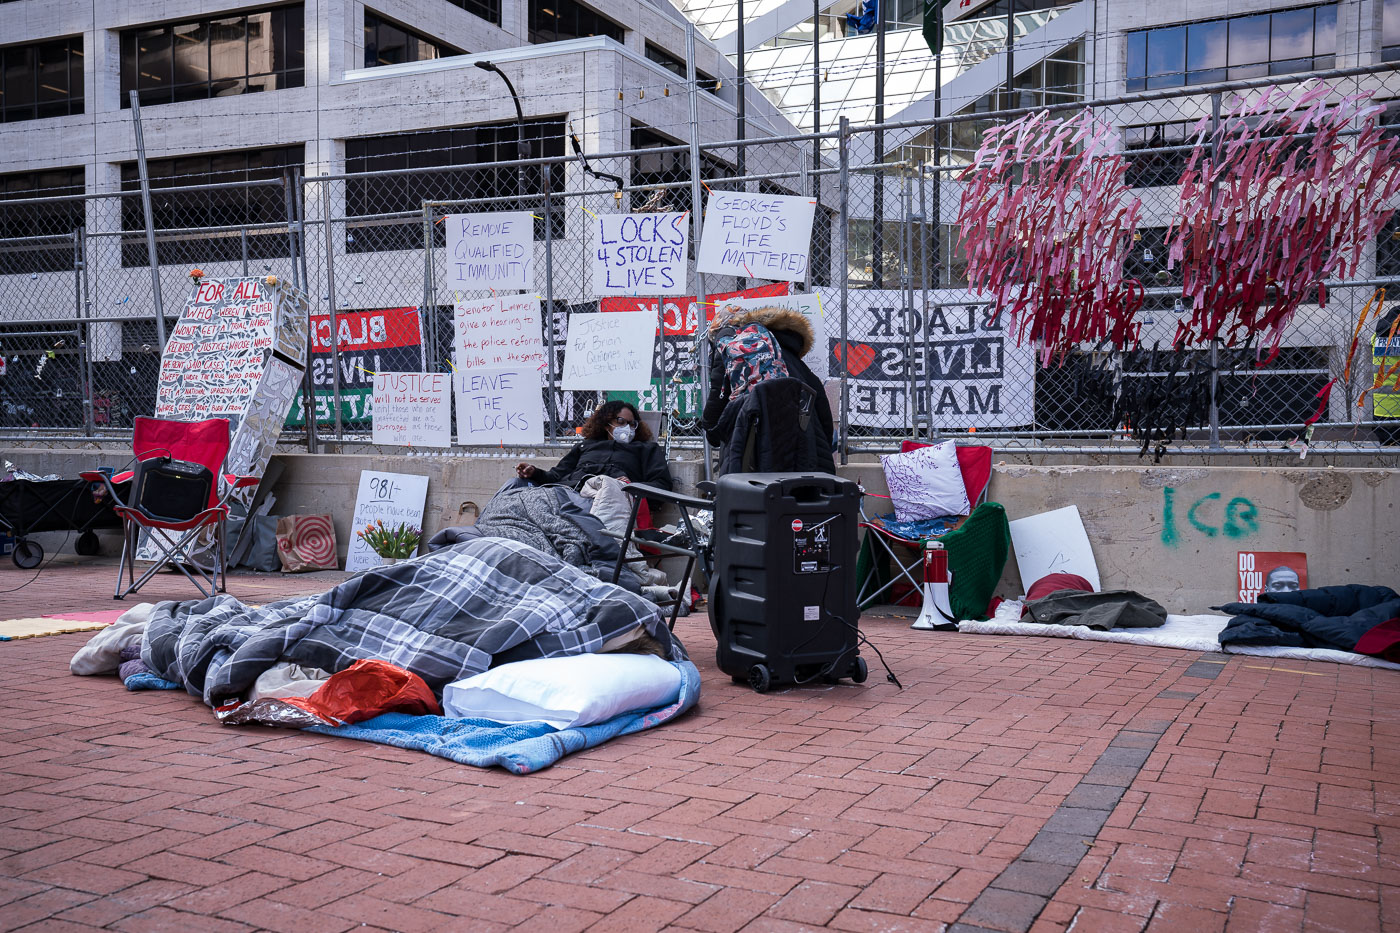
1014,784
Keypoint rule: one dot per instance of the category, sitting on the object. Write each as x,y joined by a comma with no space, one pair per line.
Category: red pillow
1053,582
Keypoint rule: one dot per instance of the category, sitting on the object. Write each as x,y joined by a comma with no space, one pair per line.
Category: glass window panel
1249,40
1206,45
228,52
128,46
1290,66
52,84
19,83
1137,54
1240,72
1166,57
260,44
1325,31
153,62
76,85
1291,35
294,41
190,42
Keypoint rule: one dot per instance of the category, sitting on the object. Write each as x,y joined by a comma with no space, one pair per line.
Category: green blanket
976,556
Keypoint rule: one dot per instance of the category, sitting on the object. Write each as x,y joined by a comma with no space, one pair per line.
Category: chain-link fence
906,349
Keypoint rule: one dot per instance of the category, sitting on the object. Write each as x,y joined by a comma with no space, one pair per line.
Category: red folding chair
906,554
172,536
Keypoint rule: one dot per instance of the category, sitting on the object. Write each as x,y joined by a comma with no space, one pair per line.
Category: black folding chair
693,541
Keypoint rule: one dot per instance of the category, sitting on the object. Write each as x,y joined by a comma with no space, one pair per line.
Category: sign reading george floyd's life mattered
412,409
640,254
759,236
499,405
609,352
490,251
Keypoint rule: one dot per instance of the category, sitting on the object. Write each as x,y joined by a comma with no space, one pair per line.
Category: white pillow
578,690
926,483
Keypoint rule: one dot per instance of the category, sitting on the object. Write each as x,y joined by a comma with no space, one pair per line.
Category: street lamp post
522,148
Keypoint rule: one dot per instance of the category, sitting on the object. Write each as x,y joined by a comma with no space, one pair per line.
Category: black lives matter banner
385,340
964,369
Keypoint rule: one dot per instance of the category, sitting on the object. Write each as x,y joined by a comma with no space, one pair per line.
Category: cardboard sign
412,409
967,369
499,405
640,254
382,340
609,351
1053,542
490,251
762,236
388,497
1271,572
502,331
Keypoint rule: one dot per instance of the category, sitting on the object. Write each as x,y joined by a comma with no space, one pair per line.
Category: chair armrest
241,482
637,490
93,476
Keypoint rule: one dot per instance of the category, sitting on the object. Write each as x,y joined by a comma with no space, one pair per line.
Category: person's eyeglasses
623,419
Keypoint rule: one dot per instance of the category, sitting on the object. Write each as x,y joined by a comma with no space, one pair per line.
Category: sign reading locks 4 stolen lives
412,409
609,352
640,254
763,236
392,498
966,371
491,251
499,405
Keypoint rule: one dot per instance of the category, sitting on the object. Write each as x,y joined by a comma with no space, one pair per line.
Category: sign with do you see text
610,351
640,254
1271,572
490,251
761,236
412,409
393,498
499,405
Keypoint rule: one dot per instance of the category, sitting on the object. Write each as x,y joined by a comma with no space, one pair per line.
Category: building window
388,43
38,237
1283,42
387,208
1152,168
557,20
41,80
1390,31
659,168
677,67
489,10
224,56
210,225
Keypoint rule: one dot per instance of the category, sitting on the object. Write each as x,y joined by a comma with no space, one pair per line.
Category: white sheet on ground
1192,633
102,653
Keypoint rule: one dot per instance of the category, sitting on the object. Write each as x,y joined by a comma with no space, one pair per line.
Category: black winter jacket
638,461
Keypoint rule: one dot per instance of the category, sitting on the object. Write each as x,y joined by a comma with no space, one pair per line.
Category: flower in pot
392,544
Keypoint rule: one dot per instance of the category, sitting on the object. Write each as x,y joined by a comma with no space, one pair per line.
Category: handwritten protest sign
640,254
499,405
762,236
610,351
490,251
392,498
412,409
501,331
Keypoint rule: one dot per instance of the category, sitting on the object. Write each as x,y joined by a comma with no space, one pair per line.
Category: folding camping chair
694,542
169,504
980,532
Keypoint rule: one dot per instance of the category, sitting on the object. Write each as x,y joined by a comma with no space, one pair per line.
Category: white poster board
499,405
490,251
809,305
759,236
1053,542
609,351
640,254
502,331
388,497
412,409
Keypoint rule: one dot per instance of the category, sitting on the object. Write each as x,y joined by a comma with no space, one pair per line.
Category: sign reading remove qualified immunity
640,254
495,250
760,236
609,351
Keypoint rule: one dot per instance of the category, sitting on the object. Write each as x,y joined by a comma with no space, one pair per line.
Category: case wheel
27,554
759,678
87,544
859,671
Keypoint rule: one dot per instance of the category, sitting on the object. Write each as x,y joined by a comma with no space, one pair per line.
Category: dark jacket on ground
1337,617
1103,611
793,333
638,461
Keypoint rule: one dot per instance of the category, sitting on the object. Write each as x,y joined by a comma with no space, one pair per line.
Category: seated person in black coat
616,442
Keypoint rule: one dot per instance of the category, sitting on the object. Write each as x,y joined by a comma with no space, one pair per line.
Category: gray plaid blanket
443,616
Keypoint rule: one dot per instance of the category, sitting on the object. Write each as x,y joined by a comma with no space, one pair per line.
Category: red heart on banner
861,356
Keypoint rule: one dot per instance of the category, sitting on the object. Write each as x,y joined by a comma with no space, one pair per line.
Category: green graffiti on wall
1240,518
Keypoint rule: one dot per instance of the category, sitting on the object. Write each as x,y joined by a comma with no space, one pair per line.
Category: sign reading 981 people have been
760,236
490,251
640,254
967,371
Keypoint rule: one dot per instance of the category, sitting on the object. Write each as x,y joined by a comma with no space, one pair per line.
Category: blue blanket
520,748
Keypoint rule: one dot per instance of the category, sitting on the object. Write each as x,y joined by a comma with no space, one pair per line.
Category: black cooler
783,595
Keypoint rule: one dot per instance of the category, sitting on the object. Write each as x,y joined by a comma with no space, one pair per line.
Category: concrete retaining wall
1171,532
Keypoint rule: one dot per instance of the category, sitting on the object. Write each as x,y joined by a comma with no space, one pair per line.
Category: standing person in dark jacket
617,443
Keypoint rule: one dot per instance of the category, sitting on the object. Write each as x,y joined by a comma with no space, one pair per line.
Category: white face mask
623,433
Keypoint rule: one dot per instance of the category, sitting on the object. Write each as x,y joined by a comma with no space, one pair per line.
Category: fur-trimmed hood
773,318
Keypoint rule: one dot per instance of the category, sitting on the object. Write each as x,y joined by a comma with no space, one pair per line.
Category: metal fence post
843,142
551,408
150,223
701,333
330,295
427,314
1215,341
84,331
